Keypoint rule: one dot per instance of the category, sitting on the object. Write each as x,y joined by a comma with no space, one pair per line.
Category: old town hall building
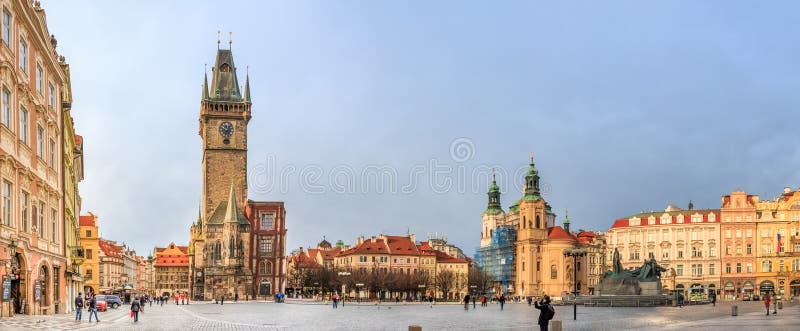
237,245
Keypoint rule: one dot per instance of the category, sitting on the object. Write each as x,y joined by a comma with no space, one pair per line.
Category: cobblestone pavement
314,316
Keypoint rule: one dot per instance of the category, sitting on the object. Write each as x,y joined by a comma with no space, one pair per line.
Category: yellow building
73,174
778,245
89,240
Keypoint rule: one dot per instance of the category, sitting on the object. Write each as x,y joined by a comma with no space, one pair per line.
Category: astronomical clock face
226,129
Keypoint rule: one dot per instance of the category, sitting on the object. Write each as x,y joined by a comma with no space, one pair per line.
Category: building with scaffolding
497,258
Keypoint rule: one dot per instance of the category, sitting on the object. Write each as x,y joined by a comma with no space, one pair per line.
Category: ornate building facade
739,247
32,79
686,242
778,244
221,241
267,254
171,270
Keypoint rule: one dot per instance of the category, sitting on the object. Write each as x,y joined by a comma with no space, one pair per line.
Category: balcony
76,255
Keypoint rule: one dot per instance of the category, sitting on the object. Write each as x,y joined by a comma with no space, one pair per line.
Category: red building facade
268,246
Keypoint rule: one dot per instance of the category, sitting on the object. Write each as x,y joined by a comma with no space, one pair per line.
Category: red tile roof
329,254
87,220
109,249
442,257
586,236
399,245
171,258
303,260
557,232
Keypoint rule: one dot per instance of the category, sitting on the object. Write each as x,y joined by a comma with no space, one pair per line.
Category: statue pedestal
650,288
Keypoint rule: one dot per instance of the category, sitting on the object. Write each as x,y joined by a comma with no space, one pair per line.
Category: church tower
221,239
494,215
531,235
224,114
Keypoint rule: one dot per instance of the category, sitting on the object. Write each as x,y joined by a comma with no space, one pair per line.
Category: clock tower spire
224,115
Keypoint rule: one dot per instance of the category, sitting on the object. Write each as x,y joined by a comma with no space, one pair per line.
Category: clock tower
220,241
224,114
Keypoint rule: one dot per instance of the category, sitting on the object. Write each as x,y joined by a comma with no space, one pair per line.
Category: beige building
739,247
111,267
778,245
686,242
32,78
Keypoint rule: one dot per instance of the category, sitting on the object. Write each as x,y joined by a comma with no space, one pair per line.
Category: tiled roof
368,247
329,254
172,257
109,249
87,220
399,245
442,257
586,236
557,232
304,261
219,215
687,218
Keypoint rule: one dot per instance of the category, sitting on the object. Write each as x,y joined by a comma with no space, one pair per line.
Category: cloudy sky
385,116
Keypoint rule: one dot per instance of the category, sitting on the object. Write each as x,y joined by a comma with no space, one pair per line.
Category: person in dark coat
93,309
466,302
545,308
135,307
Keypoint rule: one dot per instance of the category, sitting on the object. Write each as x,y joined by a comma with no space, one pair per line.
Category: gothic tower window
217,251
231,248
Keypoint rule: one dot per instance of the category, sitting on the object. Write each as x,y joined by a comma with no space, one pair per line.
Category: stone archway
19,283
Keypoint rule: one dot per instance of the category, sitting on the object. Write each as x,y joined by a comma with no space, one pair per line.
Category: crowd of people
89,302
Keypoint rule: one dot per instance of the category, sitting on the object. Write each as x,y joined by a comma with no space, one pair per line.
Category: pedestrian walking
766,302
473,301
502,300
680,300
135,306
150,300
466,302
141,304
79,307
236,297
93,309
774,304
713,299
483,300
546,312
335,299
222,300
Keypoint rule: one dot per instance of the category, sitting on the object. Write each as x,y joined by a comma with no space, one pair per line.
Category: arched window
240,248
217,251
524,222
553,272
538,222
266,268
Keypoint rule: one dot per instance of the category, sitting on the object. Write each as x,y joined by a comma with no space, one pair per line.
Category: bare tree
445,280
481,279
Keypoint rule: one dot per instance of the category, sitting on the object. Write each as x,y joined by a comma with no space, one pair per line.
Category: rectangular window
23,202
53,153
41,219
89,254
712,252
749,249
749,233
680,253
711,269
53,225
88,233
23,125
738,233
738,268
738,249
728,250
51,94
265,246
7,27
728,268
40,141
7,203
727,233
39,79
679,270
267,221
23,55
6,108
749,267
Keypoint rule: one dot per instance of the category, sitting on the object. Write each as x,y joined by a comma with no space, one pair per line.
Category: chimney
413,238
786,190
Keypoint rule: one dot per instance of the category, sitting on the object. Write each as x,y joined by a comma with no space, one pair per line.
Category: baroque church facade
530,261
225,254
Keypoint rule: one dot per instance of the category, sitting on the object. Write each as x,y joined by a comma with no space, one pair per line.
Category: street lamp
575,253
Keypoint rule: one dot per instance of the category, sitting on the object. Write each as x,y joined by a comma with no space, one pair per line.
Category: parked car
111,301
102,305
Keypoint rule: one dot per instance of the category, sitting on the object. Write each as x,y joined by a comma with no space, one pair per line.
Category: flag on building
779,243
